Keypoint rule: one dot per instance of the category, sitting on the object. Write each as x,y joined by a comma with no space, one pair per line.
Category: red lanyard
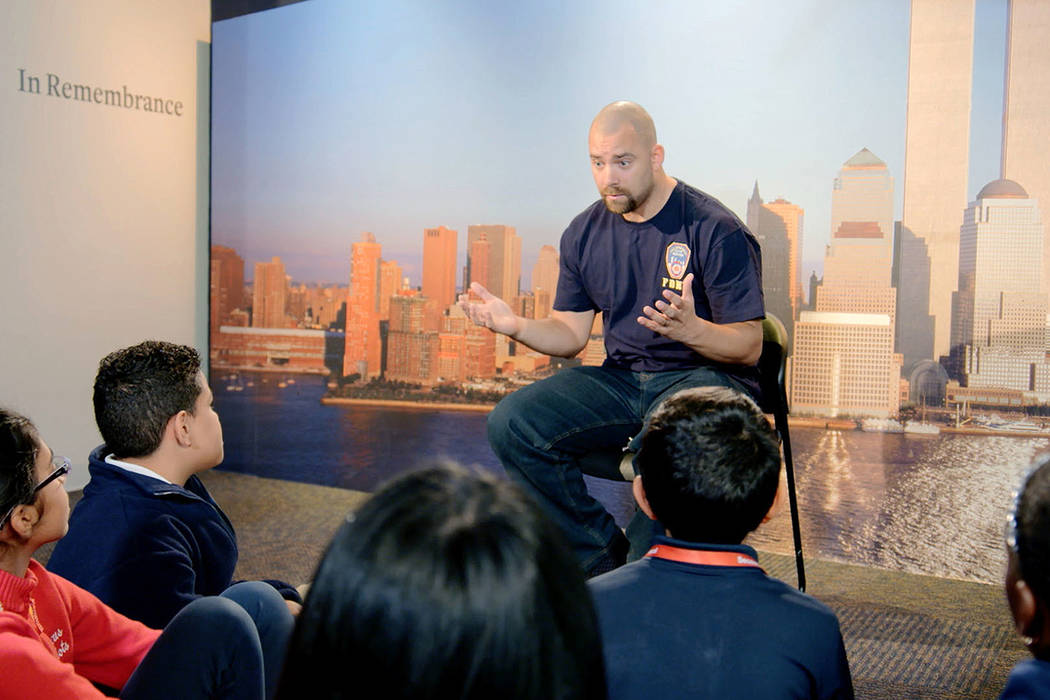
705,557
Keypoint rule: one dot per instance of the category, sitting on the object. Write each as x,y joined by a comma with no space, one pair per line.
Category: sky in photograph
333,118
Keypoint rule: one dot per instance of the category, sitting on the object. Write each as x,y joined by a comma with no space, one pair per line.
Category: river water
924,504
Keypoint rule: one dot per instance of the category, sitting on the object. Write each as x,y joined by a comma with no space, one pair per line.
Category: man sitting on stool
697,616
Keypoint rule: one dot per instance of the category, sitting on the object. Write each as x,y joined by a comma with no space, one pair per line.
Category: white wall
103,209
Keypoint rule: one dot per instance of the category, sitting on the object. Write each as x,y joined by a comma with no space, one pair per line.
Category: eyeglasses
62,466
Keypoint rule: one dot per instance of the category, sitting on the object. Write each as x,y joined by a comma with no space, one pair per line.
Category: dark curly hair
138,389
710,465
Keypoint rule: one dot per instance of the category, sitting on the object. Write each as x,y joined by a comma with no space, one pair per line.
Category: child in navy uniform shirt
1028,584
697,617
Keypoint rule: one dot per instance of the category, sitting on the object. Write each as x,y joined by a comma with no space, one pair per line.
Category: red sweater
78,639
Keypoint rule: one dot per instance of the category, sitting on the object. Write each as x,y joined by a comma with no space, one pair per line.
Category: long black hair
19,446
447,584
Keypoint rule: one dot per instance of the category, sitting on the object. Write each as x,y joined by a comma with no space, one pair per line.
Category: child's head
139,389
709,465
34,507
447,584
1028,567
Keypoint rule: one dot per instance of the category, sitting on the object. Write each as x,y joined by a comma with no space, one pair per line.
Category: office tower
842,365
937,141
858,263
844,361
226,291
1026,108
503,263
439,272
412,351
793,216
999,324
363,353
545,280
269,295
479,256
390,283
778,227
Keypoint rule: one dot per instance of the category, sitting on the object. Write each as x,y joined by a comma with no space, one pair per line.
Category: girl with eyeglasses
59,641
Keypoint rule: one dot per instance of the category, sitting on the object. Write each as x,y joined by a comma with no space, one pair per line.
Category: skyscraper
777,230
1026,107
844,361
999,324
412,351
269,295
503,265
545,280
390,283
793,216
439,273
363,353
227,284
937,141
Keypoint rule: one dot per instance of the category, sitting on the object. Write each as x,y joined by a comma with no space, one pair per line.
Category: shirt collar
135,468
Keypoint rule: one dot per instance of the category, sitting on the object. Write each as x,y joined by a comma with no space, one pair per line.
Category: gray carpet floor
906,635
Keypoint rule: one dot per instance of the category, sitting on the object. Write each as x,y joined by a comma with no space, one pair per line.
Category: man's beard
629,202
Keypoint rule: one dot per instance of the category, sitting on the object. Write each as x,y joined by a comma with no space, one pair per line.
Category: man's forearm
731,343
549,336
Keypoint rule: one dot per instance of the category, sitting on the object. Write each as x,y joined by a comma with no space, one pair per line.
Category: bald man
677,278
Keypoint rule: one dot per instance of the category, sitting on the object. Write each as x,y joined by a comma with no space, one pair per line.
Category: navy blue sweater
678,630
145,547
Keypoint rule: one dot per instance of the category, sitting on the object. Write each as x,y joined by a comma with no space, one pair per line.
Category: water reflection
927,504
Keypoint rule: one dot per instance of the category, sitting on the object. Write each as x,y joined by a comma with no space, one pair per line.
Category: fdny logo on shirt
676,258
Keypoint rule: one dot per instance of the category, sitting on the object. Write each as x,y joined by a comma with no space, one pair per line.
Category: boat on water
919,428
881,425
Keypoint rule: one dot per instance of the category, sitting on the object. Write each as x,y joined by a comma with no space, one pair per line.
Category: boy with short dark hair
147,538
697,616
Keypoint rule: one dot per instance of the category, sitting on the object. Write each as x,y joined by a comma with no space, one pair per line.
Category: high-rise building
778,227
857,267
936,158
390,283
503,263
363,353
269,295
999,323
843,358
439,272
226,285
545,280
793,217
840,365
1026,108
412,351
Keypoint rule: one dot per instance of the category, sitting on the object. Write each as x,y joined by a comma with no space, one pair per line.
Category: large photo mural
371,160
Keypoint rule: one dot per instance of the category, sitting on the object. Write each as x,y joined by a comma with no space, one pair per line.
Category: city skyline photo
331,119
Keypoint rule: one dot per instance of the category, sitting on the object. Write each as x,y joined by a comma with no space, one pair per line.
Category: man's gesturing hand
491,311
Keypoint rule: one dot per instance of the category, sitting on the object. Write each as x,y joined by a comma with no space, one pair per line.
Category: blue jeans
550,433
226,646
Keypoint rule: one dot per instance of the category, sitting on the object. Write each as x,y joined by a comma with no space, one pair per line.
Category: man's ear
179,425
656,157
641,498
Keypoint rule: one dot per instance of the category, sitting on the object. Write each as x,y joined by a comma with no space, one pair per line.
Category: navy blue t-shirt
615,266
